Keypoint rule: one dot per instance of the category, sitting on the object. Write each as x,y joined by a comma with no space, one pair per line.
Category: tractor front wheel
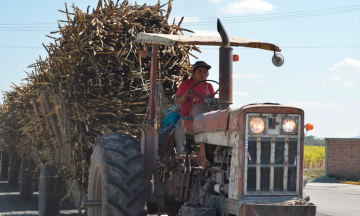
116,177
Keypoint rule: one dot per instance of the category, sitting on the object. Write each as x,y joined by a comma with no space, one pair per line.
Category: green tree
311,141
310,137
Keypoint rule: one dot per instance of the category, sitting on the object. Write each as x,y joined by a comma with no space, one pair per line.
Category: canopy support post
153,72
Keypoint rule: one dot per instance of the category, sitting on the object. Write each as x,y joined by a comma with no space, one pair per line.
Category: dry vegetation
93,82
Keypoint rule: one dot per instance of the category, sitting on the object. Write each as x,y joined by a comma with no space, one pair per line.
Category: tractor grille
272,160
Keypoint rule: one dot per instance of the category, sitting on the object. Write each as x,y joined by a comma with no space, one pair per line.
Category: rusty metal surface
203,155
216,121
149,147
258,164
153,84
241,155
272,162
225,69
194,211
187,125
301,165
286,158
200,108
275,108
205,122
234,120
171,185
279,205
220,138
172,40
278,210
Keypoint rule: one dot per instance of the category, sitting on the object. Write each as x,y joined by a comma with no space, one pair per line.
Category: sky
320,42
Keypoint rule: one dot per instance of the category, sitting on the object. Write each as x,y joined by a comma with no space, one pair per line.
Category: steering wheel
192,91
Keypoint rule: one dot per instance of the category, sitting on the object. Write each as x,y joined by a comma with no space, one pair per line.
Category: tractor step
92,203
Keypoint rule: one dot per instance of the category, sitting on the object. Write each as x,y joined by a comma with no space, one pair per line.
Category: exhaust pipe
225,69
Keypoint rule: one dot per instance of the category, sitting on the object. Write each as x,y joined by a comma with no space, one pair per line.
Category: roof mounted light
278,59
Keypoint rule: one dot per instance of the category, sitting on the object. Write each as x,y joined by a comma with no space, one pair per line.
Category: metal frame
272,164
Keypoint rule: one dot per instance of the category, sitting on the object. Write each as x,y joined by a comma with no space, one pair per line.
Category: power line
293,14
269,18
263,18
307,11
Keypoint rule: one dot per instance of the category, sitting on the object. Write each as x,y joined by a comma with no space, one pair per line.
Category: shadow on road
11,205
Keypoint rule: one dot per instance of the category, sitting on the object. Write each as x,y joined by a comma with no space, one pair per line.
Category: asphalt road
335,199
11,205
331,199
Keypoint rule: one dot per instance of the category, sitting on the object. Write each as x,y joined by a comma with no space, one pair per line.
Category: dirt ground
313,173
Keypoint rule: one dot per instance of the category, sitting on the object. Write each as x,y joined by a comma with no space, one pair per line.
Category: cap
200,64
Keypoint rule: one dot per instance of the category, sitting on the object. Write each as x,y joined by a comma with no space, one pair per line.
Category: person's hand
187,93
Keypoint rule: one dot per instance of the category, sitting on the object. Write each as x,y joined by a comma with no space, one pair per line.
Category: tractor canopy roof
172,40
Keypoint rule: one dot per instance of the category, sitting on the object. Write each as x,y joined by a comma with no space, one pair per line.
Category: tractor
226,161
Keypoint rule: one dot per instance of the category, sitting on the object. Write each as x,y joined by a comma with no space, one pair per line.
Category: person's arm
181,99
211,89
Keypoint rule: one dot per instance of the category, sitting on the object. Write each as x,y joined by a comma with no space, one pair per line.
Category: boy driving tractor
200,72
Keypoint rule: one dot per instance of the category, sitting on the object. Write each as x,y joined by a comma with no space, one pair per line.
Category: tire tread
124,193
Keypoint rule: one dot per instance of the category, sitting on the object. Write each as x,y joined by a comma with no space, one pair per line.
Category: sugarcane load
113,119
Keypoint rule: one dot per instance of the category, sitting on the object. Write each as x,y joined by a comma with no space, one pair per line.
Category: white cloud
310,83
248,6
242,94
348,83
206,33
259,82
347,64
215,1
335,78
186,19
323,84
318,105
247,76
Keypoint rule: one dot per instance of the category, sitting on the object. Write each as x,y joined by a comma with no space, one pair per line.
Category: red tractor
227,161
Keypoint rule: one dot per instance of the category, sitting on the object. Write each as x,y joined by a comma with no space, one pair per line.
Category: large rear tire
14,170
117,177
49,192
4,164
27,169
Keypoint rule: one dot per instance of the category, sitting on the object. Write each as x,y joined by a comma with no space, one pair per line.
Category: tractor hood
229,119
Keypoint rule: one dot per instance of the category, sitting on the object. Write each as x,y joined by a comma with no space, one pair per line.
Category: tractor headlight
257,125
288,125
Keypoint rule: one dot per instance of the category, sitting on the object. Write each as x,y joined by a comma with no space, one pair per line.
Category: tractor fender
149,147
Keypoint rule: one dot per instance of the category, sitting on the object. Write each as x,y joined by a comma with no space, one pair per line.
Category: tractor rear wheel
4,164
27,169
116,177
49,192
14,170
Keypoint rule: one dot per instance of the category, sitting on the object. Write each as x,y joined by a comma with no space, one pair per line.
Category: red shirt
204,90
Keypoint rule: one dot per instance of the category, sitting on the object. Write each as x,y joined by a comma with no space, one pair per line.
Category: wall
342,157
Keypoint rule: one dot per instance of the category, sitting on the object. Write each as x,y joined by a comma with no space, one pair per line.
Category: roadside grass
314,158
